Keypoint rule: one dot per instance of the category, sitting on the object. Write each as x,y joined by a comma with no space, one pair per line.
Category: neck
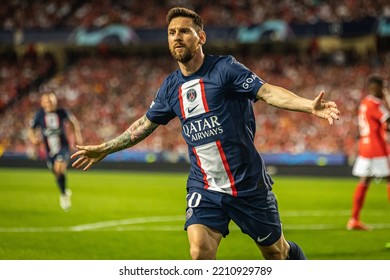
193,65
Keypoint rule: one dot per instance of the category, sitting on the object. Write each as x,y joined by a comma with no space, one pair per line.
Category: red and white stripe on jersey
192,98
217,175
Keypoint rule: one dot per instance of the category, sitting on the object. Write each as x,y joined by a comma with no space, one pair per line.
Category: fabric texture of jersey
52,129
214,106
372,118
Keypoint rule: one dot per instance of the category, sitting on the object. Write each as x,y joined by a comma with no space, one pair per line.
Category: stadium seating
107,93
71,13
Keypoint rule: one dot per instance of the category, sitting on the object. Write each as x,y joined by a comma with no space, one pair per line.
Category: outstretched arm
35,140
285,99
76,129
32,135
89,155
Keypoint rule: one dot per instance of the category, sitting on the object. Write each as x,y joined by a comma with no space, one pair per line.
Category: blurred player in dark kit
49,122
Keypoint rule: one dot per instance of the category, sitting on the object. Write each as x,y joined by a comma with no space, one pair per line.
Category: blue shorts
62,155
256,215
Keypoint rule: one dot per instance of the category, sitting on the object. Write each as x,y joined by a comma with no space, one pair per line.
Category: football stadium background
106,59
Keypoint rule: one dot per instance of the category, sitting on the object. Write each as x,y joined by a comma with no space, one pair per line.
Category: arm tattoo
141,129
137,132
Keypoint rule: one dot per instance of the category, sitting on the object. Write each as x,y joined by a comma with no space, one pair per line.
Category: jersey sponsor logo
50,132
203,128
249,81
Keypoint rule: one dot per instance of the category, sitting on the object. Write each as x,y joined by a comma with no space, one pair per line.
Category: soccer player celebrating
50,120
213,96
373,157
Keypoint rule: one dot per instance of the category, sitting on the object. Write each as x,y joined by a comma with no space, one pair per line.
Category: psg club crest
191,95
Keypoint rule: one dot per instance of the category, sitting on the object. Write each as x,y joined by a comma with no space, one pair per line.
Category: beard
185,56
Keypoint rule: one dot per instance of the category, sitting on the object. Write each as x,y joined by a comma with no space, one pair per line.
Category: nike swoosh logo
190,110
259,239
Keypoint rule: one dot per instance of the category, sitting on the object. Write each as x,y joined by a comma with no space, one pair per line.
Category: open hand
325,109
87,156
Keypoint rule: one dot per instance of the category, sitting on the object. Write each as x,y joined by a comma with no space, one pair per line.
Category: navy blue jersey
214,106
52,129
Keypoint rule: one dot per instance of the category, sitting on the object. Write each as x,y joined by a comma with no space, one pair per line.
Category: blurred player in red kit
373,158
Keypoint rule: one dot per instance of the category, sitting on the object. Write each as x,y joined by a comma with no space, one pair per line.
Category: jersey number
364,127
194,200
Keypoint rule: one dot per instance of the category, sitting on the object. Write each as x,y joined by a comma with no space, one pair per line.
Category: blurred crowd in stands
18,74
32,14
108,92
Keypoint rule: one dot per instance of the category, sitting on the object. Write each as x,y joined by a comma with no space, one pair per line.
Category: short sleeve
34,122
64,114
241,79
160,112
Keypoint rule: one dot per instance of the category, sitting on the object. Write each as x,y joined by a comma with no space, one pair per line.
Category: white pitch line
33,229
322,213
130,224
95,226
134,221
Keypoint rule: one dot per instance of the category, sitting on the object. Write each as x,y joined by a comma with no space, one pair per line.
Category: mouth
178,47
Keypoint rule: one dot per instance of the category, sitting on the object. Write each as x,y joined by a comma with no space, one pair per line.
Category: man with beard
213,97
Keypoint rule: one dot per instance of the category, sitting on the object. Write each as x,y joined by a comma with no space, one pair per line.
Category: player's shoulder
230,62
220,59
221,64
63,113
169,84
60,111
39,114
371,101
171,80
175,75
38,118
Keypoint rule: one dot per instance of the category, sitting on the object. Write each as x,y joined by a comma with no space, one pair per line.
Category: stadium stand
71,13
108,89
108,93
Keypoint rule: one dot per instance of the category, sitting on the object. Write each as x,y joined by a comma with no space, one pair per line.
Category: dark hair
375,79
184,12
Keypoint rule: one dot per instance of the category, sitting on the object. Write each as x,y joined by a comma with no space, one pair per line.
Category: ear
202,37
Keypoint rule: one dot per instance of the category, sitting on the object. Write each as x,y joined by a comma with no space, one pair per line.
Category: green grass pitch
139,216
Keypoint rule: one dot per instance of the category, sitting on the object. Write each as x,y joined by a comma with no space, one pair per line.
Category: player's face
183,40
49,102
376,90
